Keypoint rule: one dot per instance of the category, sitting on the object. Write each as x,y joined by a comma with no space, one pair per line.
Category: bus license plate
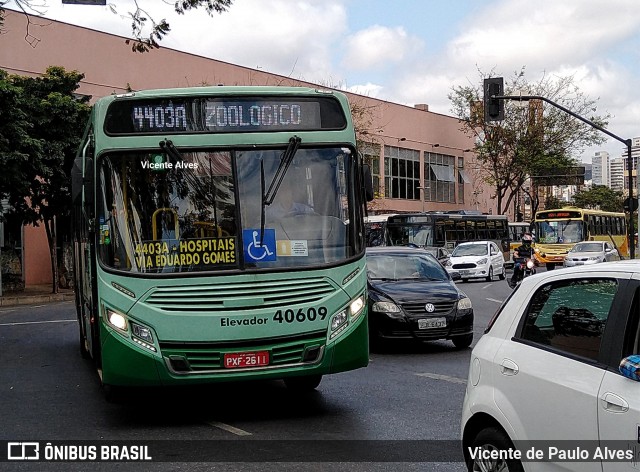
237,360
432,323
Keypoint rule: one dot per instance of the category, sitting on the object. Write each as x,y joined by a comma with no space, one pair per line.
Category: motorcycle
527,268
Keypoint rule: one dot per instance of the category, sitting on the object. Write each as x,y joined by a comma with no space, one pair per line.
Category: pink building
421,159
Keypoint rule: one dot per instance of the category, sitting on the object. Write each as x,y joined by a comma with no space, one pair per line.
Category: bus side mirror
368,182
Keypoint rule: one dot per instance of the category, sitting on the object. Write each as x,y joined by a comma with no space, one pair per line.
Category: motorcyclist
520,256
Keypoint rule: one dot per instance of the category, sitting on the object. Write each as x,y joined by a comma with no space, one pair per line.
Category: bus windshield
403,234
559,231
202,211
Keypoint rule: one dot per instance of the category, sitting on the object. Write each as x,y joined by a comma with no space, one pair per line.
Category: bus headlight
356,306
338,322
117,320
341,319
141,332
142,336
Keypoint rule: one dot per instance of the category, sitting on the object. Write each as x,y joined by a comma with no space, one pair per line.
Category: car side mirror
630,367
455,275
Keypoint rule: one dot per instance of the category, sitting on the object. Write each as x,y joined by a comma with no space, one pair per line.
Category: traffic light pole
626,142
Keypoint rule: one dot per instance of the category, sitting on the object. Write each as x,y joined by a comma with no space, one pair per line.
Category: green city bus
218,236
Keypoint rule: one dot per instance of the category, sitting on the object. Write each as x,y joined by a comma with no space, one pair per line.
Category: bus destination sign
559,214
223,115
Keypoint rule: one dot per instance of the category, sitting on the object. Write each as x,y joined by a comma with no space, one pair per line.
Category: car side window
570,316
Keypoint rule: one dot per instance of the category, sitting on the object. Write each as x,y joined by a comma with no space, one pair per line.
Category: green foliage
41,124
532,138
599,197
553,202
56,120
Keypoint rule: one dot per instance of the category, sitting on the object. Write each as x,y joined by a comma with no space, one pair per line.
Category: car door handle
614,403
509,367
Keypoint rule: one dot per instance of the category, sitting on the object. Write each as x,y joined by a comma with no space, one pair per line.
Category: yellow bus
556,231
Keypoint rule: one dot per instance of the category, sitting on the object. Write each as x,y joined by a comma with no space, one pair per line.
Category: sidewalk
36,294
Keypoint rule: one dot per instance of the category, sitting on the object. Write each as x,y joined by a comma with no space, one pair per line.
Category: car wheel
490,276
493,439
303,384
463,342
465,280
503,274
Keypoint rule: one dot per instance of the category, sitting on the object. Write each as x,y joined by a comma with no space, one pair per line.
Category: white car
479,259
557,375
591,252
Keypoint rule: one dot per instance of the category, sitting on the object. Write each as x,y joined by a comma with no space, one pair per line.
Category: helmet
527,238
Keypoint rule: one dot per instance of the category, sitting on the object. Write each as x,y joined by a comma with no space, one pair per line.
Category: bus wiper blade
285,162
168,147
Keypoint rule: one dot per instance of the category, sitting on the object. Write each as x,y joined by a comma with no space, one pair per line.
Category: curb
35,299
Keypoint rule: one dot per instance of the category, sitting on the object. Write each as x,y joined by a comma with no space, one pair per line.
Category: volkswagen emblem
430,307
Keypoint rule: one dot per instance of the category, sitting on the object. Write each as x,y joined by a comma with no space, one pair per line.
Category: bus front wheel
303,384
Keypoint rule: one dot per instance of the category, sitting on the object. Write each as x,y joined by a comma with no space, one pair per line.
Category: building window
401,173
440,181
371,153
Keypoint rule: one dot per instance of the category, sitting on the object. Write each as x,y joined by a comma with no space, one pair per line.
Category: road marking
36,322
446,378
486,287
229,428
494,300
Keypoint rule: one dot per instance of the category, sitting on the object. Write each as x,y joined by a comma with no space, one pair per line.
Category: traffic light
493,107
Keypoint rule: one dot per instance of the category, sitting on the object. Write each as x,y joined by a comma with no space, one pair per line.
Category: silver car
591,252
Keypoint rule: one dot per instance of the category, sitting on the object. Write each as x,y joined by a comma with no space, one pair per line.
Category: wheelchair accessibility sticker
256,250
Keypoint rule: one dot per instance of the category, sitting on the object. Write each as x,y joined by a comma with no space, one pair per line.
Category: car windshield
404,266
587,247
470,250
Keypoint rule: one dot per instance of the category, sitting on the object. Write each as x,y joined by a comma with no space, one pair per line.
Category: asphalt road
407,401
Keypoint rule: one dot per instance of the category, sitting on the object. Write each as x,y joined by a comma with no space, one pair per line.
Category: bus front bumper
126,364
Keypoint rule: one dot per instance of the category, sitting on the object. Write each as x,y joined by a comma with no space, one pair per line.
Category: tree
16,146
146,30
531,139
55,120
599,197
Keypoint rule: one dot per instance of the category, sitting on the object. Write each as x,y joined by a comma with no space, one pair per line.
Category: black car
411,296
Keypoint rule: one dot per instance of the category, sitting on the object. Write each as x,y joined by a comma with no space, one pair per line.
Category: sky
411,51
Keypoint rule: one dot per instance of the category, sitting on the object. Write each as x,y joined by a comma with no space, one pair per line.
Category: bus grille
204,357
223,297
419,308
